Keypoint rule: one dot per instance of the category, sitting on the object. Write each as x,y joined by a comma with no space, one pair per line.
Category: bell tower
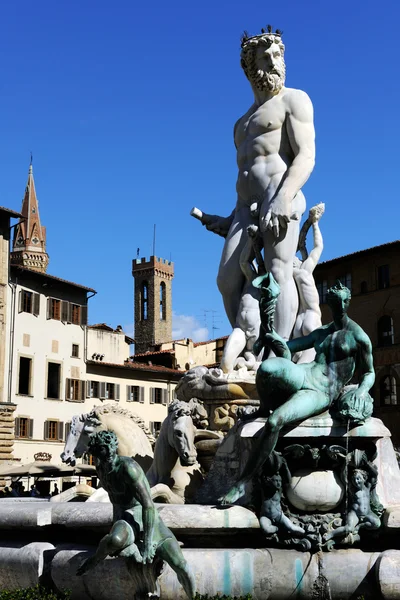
153,302
29,244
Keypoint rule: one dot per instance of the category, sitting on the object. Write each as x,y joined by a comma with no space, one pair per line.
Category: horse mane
106,409
179,408
194,408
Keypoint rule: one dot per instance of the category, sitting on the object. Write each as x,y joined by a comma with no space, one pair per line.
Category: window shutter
102,390
36,304
116,392
30,430
65,306
129,395
84,315
49,308
20,301
82,388
16,425
67,389
141,395
151,427
46,430
60,430
164,397
152,394
88,386
67,429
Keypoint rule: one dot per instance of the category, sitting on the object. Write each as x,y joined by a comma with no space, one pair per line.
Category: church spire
29,244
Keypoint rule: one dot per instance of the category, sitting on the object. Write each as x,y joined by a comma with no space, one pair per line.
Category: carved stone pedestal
331,468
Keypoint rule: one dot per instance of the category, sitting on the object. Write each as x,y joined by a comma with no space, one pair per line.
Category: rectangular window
75,314
322,288
75,390
75,351
112,391
155,427
67,429
55,309
65,311
346,280
133,393
92,390
23,427
53,380
29,302
53,430
24,378
383,277
158,396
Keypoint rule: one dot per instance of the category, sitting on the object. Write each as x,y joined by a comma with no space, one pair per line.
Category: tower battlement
162,264
153,301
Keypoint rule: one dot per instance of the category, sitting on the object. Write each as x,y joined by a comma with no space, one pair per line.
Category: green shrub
218,597
33,593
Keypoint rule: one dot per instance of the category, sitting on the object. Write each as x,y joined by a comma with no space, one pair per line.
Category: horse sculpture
175,455
174,474
134,438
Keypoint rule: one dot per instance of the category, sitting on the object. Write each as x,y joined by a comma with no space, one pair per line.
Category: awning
44,469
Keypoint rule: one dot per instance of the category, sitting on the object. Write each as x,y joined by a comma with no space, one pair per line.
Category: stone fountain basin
33,549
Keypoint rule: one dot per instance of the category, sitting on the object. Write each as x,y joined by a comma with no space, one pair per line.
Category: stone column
7,434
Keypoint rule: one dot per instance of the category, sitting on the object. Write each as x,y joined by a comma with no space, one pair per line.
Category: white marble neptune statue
275,156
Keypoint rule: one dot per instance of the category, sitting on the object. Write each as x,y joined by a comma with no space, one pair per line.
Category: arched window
364,287
163,301
145,300
385,331
388,391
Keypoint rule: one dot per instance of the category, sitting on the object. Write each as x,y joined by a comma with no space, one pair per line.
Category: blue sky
129,112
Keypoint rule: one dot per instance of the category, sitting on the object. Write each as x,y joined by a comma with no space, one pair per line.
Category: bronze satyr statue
138,531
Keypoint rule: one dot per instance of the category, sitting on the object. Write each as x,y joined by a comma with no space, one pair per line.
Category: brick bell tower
153,302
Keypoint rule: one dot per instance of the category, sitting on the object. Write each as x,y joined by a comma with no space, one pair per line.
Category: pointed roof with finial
29,244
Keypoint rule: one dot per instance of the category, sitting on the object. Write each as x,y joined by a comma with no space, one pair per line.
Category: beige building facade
60,367
46,341
184,354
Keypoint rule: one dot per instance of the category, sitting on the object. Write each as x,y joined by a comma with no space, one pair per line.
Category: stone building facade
6,408
153,302
373,276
